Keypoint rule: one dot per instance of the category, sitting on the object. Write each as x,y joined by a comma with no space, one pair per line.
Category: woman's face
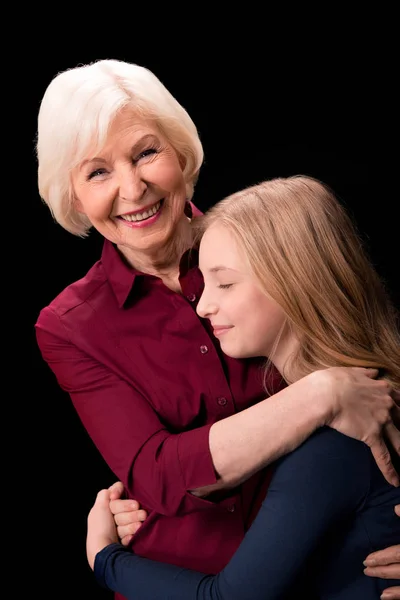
133,192
246,321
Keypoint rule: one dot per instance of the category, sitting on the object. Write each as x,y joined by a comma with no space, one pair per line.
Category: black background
259,115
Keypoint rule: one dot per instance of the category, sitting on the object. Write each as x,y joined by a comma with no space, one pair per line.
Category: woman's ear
182,161
76,203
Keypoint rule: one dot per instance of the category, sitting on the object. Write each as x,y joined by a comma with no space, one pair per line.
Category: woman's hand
364,408
386,565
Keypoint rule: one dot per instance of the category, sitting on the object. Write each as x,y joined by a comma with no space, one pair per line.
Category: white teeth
144,215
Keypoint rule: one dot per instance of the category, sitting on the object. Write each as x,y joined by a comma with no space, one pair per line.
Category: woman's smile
143,217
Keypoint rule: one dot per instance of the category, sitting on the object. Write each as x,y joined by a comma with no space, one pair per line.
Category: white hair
75,114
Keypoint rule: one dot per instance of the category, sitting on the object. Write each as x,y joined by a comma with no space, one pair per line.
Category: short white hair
76,111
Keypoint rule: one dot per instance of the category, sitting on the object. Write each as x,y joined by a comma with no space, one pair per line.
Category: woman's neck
164,261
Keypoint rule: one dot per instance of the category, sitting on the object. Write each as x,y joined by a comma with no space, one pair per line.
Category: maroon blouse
148,379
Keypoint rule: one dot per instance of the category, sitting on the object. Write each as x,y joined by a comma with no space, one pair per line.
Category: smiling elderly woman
189,431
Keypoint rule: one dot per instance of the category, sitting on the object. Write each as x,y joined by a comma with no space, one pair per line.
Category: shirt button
231,508
203,349
222,401
191,297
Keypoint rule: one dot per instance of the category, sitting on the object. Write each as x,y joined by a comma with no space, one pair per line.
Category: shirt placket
220,402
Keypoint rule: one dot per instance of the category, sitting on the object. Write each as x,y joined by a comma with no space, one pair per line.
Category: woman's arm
313,489
156,466
130,436
340,398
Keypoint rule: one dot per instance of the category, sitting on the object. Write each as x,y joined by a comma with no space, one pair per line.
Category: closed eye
225,286
96,173
145,153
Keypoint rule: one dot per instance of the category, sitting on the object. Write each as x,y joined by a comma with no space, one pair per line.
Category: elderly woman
189,431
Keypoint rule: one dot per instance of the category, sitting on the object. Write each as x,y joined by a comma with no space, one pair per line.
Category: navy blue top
327,507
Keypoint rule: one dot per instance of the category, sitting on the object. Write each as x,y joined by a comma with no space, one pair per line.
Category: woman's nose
131,186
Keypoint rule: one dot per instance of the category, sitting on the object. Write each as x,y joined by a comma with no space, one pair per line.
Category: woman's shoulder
75,294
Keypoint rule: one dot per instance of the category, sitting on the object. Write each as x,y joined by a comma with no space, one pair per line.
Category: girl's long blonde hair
305,251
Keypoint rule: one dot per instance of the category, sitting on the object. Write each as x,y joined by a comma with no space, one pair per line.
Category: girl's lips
220,329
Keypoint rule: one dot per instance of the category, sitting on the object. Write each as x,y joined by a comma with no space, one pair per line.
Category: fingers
388,556
392,593
128,530
128,516
395,412
134,516
100,505
125,541
392,435
102,498
397,510
116,490
383,460
384,572
121,506
369,372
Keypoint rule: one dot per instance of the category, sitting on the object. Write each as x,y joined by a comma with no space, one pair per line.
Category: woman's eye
96,173
145,153
225,286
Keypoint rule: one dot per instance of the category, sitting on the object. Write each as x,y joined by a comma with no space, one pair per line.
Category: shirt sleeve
314,487
157,467
117,569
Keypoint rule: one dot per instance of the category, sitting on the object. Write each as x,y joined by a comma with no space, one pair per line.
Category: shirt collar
122,276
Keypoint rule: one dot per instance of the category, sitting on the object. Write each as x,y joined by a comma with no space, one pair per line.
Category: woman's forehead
130,130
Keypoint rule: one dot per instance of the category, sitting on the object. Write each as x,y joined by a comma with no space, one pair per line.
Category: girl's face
245,319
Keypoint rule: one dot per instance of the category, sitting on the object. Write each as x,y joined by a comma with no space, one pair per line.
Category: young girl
286,278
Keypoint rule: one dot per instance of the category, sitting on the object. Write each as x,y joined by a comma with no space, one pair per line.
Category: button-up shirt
148,379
